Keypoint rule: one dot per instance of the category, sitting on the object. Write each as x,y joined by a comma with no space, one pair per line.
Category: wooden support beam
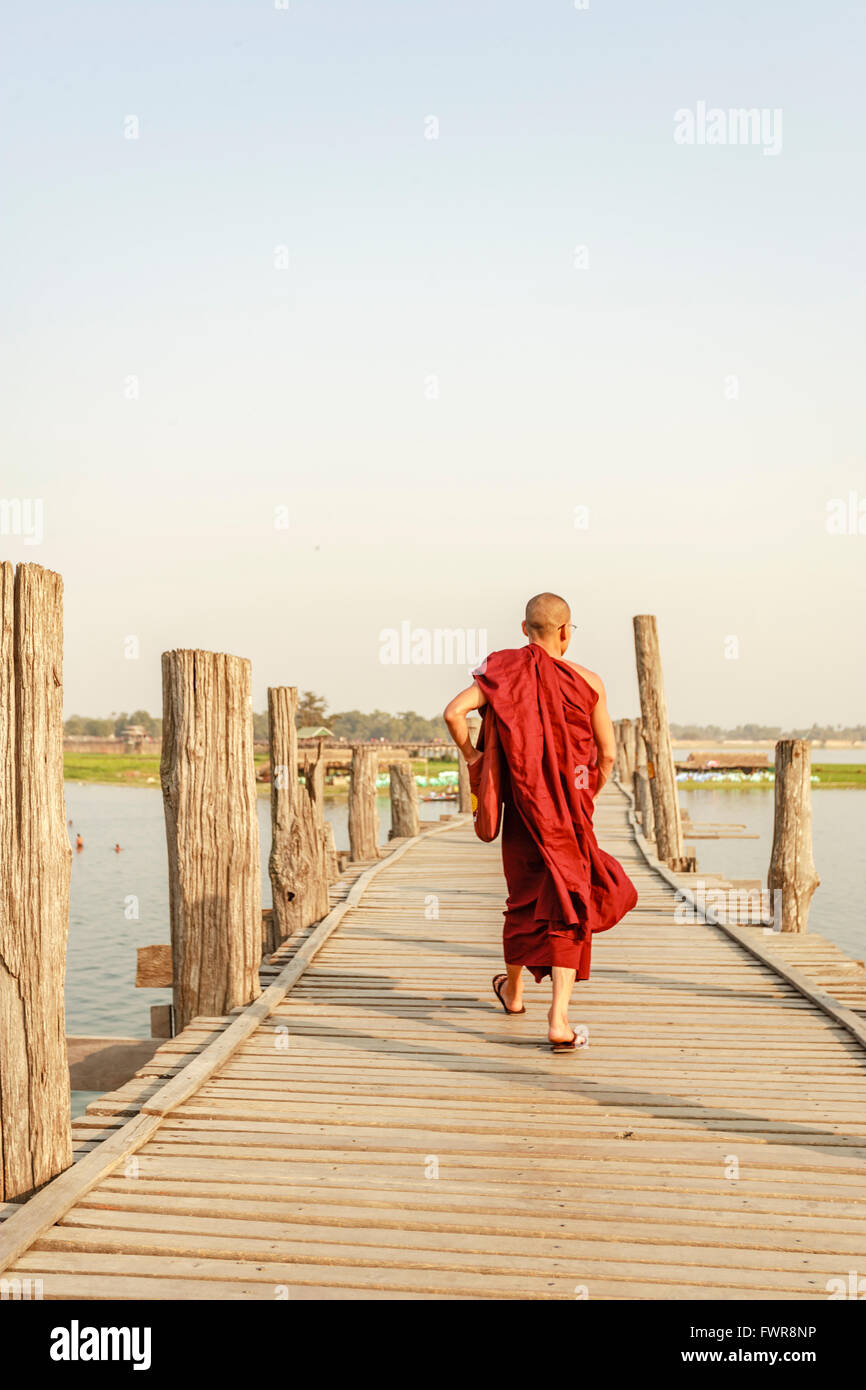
161,1025
154,969
363,810
792,870
212,829
656,732
35,857
404,801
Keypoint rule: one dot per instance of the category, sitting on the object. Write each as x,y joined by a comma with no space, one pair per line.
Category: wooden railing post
363,811
792,872
404,800
297,863
656,732
212,830
35,1133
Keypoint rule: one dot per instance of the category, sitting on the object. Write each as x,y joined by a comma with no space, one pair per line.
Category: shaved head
545,613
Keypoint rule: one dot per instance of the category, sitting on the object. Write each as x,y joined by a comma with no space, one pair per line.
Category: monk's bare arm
455,717
602,727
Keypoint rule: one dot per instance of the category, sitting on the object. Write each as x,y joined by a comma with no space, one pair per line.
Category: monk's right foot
559,1029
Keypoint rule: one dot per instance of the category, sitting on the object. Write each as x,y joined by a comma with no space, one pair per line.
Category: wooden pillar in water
297,863
617,760
404,800
792,871
282,860
35,1133
656,732
212,830
642,794
332,863
315,903
328,869
363,811
628,736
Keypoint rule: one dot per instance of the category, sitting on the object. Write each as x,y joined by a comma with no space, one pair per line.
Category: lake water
120,901
838,849
108,889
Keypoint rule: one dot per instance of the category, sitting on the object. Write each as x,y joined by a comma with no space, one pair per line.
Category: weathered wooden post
311,812
656,732
332,863
404,800
314,778
363,811
624,765
282,860
464,792
212,830
628,736
617,761
327,868
35,1134
792,872
297,863
642,794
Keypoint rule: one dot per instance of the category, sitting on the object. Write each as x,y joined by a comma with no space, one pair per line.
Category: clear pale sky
605,386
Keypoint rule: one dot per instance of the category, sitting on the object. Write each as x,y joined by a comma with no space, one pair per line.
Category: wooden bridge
374,1127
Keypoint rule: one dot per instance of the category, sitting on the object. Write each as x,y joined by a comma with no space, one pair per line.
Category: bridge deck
405,1139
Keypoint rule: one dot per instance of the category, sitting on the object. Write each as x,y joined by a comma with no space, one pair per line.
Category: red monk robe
561,886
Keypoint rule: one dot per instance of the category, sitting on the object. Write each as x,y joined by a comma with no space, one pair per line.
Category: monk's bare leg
512,990
560,1029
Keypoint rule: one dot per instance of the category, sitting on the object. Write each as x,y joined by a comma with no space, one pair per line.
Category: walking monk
557,746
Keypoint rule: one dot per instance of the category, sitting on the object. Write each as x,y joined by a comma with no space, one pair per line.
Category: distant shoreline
729,743
142,770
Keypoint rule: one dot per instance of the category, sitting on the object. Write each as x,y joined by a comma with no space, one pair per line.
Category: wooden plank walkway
389,1133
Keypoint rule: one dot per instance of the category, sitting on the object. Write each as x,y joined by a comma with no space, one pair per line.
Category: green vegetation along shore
142,770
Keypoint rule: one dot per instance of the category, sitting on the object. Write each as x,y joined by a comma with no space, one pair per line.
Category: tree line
408,726
352,725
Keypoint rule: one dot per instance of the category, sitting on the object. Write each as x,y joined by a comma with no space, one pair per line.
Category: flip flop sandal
571,1046
497,992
